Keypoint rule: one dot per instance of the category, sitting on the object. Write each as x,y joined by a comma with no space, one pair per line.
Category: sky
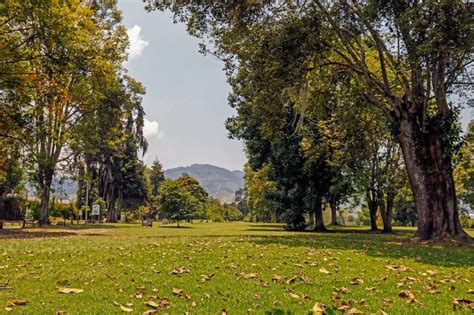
186,101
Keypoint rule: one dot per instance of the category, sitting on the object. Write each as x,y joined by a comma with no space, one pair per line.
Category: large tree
407,56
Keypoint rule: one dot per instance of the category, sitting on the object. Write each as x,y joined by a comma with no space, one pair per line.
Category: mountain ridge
219,182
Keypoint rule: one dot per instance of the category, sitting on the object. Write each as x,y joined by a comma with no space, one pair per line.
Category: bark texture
431,177
318,213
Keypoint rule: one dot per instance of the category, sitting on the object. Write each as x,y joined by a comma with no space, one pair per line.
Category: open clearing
243,268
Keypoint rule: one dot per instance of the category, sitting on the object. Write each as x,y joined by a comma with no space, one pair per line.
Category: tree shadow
377,245
28,234
175,227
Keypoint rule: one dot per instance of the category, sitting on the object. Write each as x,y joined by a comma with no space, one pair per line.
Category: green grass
118,263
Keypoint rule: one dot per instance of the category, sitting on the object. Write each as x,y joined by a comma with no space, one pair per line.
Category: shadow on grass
377,245
91,226
175,227
28,233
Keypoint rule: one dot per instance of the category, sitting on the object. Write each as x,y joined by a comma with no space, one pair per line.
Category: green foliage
156,175
405,212
464,171
176,202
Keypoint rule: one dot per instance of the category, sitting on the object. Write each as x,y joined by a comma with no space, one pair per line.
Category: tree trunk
111,209
430,173
45,194
318,213
386,210
311,217
333,206
372,205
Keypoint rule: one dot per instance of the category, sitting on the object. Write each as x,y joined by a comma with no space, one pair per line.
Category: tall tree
157,175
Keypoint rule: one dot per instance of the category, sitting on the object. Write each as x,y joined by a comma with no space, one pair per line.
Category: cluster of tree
67,106
335,96
185,199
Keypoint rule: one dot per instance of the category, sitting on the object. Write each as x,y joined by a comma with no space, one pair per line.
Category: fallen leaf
357,281
406,294
179,270
180,293
8,309
294,296
18,302
353,311
223,311
207,277
415,301
371,289
291,280
148,312
463,302
470,291
397,267
319,309
277,278
126,309
343,290
324,270
70,290
164,303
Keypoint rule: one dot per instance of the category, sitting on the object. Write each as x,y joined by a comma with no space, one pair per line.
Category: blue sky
186,101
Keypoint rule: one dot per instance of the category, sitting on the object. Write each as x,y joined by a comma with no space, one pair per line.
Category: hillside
218,182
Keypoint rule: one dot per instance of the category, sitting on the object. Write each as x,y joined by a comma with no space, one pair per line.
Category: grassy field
241,268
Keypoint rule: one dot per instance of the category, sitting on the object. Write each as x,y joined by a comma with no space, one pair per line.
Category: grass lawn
243,268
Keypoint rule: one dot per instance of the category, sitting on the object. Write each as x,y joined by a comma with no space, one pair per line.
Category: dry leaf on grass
318,309
70,290
163,303
324,270
180,293
207,277
353,311
294,296
457,303
415,301
343,290
179,270
357,281
126,309
406,294
18,302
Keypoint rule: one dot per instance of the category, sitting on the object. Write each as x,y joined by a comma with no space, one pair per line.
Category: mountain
218,182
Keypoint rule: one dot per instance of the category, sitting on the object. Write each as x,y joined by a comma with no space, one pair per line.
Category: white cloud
151,129
137,43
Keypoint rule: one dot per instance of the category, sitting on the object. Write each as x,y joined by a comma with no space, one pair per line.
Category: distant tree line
67,106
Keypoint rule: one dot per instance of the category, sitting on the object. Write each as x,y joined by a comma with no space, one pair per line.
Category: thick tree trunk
386,210
318,213
311,217
431,177
111,209
44,203
372,205
333,206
